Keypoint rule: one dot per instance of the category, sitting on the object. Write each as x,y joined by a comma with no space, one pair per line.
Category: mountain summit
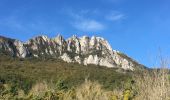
83,50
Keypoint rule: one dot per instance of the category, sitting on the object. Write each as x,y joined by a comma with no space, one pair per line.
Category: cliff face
83,50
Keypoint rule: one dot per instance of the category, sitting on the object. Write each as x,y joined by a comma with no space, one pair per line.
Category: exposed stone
78,59
66,58
74,44
84,43
83,50
22,52
104,62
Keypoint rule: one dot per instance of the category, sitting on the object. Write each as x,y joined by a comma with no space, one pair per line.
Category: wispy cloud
81,22
88,25
115,16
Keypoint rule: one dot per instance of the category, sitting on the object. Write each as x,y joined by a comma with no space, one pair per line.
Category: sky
138,28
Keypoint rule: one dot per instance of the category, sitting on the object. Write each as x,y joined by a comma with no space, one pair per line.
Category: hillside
83,50
23,73
42,62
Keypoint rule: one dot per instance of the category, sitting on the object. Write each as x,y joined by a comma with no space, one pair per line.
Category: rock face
83,50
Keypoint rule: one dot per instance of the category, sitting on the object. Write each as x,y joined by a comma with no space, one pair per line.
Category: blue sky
138,28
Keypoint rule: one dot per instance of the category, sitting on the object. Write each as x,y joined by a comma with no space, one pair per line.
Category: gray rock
83,50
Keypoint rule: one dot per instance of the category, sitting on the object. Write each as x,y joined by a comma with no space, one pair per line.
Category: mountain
83,50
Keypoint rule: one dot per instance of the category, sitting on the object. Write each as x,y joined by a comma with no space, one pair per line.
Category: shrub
154,85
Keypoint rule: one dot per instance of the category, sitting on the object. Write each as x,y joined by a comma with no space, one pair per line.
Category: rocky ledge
83,50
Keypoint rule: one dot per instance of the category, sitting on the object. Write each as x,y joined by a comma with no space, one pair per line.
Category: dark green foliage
2,88
23,73
61,85
17,82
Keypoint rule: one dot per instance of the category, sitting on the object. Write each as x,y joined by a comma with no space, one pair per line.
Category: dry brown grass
154,85
149,86
91,91
86,91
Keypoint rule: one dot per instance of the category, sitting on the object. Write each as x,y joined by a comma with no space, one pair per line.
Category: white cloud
88,25
115,16
83,23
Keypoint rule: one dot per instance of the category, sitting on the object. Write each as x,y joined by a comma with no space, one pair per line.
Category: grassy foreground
51,79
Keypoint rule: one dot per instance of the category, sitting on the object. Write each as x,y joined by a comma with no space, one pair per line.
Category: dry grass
86,91
154,85
149,86
91,91
39,89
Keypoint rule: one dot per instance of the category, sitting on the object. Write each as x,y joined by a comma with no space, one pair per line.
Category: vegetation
52,79
23,74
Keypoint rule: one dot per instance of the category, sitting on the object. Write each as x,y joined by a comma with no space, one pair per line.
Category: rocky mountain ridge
83,50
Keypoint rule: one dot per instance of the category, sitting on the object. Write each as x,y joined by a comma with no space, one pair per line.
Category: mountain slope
83,50
23,73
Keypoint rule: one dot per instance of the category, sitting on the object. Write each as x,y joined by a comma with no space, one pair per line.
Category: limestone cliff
83,50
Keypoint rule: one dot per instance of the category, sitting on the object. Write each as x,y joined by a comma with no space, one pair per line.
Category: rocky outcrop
66,58
20,48
83,50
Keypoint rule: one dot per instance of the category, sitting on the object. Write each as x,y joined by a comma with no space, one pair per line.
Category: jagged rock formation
84,50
